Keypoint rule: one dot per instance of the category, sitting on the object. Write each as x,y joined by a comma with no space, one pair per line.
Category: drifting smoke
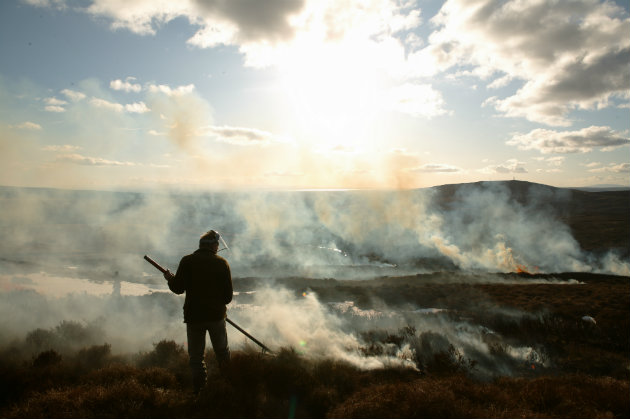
317,234
100,237
280,318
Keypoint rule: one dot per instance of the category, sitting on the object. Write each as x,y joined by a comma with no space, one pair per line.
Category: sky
301,94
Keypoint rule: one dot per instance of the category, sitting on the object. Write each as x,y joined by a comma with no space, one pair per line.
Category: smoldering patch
374,338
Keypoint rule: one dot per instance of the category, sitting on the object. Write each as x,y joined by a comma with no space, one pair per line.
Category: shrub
46,359
166,353
94,357
169,355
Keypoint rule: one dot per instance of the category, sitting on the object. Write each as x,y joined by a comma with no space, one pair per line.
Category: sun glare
335,95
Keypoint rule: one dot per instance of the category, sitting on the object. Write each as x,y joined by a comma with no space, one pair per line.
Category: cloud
64,148
125,86
138,107
556,161
581,141
246,21
436,168
578,85
567,55
241,136
167,90
28,125
73,95
59,4
510,166
105,104
416,100
54,101
54,108
156,133
138,16
255,25
571,55
268,32
221,22
613,168
91,161
367,47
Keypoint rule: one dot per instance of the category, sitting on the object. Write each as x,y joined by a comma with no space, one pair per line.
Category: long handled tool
240,329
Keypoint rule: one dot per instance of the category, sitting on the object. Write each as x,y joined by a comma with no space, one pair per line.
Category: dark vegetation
581,370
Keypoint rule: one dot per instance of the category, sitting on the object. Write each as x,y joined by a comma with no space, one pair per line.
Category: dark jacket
207,281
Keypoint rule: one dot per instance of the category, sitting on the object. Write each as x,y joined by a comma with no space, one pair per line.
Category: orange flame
521,269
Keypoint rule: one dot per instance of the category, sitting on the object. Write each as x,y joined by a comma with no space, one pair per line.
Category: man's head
209,240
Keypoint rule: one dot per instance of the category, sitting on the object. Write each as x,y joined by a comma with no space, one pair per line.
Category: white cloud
73,95
139,16
54,101
126,86
54,108
569,54
613,168
258,25
581,141
105,104
138,107
167,90
91,161
241,136
500,82
367,46
156,133
510,166
28,125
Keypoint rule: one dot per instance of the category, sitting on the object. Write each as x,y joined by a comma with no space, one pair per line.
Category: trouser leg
218,337
196,348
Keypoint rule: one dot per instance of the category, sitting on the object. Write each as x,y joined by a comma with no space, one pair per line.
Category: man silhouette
206,279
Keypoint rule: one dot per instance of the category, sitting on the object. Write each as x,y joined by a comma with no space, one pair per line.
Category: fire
521,269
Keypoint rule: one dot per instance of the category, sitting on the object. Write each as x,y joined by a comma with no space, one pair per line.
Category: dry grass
288,385
459,397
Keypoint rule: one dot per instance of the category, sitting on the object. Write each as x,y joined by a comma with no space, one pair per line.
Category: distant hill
599,219
603,188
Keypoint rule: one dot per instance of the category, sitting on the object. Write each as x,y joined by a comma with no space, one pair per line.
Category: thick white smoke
101,237
278,317
480,228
